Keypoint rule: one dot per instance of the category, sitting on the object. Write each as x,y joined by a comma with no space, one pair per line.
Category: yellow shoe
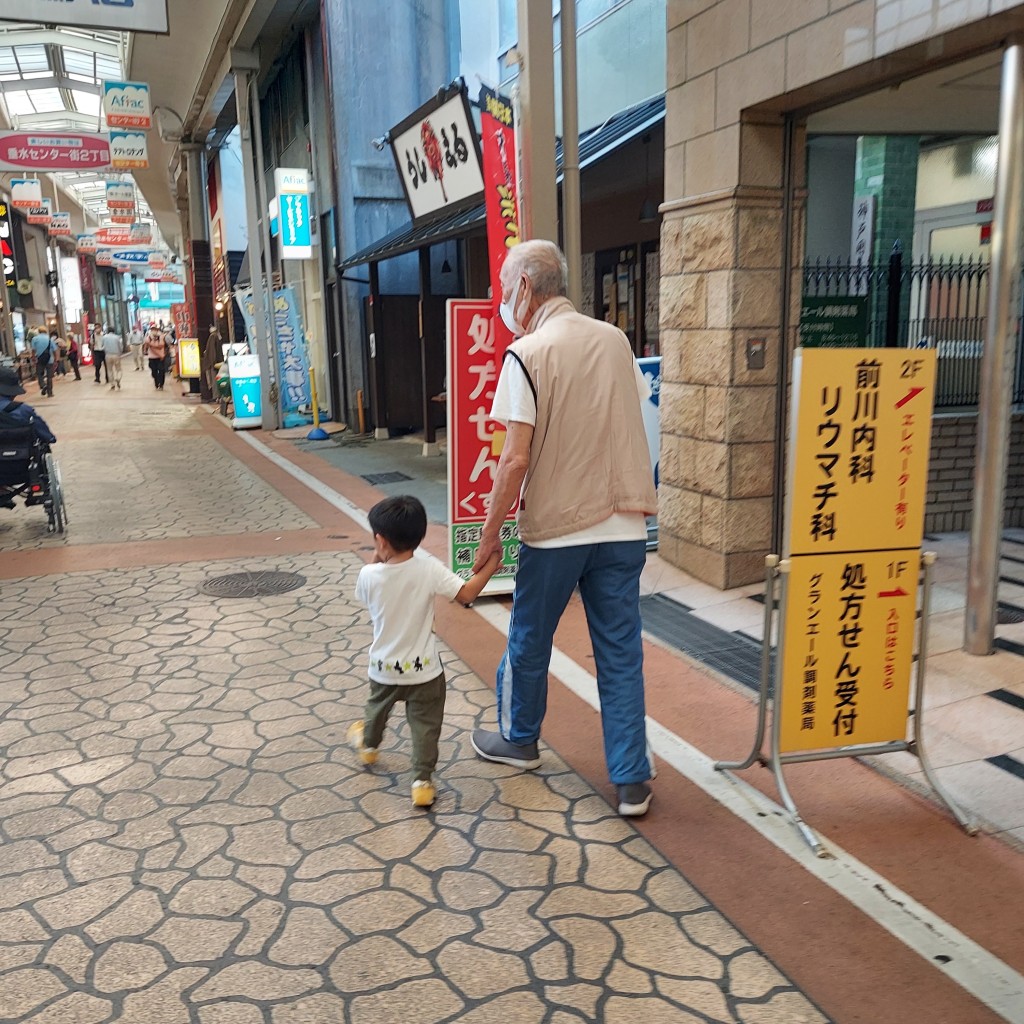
368,755
423,793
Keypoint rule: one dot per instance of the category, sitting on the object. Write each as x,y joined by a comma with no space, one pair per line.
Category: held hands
488,551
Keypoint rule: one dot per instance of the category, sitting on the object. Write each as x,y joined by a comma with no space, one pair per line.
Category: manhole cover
253,584
385,478
1009,616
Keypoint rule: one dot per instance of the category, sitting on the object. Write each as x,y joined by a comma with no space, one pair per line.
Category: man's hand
490,548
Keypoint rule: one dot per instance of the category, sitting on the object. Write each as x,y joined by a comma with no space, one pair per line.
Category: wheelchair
28,469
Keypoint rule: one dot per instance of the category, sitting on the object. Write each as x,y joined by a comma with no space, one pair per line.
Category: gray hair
543,263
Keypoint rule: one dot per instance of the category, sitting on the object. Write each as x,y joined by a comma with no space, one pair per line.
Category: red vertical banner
498,148
474,440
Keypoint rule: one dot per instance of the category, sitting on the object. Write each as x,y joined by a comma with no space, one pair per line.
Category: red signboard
53,151
184,321
474,439
498,143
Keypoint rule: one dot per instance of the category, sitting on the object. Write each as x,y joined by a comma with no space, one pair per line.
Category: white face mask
507,310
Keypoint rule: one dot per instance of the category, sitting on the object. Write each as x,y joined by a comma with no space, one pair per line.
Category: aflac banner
292,361
126,105
26,193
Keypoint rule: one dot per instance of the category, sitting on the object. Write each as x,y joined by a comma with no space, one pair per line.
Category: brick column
721,288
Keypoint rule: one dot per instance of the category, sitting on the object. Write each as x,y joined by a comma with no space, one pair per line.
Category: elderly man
569,393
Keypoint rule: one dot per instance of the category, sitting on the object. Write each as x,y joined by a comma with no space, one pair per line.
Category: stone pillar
721,292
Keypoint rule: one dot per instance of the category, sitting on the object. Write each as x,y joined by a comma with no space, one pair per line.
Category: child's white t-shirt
400,599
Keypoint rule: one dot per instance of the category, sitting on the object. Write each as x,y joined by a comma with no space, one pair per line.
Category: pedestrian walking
99,358
45,352
155,348
570,391
114,347
136,339
73,355
399,588
60,367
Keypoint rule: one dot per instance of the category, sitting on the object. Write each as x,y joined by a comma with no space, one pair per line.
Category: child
398,588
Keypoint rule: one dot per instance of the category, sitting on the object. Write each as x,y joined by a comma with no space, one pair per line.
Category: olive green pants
424,711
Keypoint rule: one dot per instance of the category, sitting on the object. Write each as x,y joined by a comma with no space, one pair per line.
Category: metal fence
940,304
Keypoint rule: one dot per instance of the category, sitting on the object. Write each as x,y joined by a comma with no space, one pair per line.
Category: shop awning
410,238
594,146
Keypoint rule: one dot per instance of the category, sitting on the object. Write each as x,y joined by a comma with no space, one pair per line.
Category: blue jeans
608,576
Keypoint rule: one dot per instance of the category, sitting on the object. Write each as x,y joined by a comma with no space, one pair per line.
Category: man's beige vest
589,456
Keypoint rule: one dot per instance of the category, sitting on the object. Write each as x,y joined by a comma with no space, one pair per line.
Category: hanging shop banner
123,237
123,217
475,441
847,649
184,321
173,274
438,158
120,195
86,244
60,224
119,15
295,236
26,193
498,144
134,258
189,358
126,105
128,151
861,430
245,391
292,360
104,258
41,215
157,260
21,151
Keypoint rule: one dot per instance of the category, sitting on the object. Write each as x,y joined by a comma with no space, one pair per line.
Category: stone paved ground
184,836
130,474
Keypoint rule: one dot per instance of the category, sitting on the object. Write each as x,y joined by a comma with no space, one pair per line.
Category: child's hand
491,566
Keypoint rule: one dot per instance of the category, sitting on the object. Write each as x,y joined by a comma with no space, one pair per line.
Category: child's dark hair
400,520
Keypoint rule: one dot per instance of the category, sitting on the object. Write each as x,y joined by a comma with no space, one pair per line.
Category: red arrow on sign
912,393
898,592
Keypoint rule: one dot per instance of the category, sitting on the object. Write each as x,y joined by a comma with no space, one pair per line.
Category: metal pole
242,72
572,243
917,744
268,252
893,297
538,198
995,399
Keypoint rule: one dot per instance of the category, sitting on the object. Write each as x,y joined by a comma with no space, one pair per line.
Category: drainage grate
1007,615
733,654
376,479
253,584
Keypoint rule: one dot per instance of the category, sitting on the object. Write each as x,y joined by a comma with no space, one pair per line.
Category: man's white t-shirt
400,599
513,400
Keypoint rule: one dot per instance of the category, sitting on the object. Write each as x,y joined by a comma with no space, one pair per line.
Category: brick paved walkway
184,836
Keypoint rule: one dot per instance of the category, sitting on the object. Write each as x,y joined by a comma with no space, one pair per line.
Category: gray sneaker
634,799
492,746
